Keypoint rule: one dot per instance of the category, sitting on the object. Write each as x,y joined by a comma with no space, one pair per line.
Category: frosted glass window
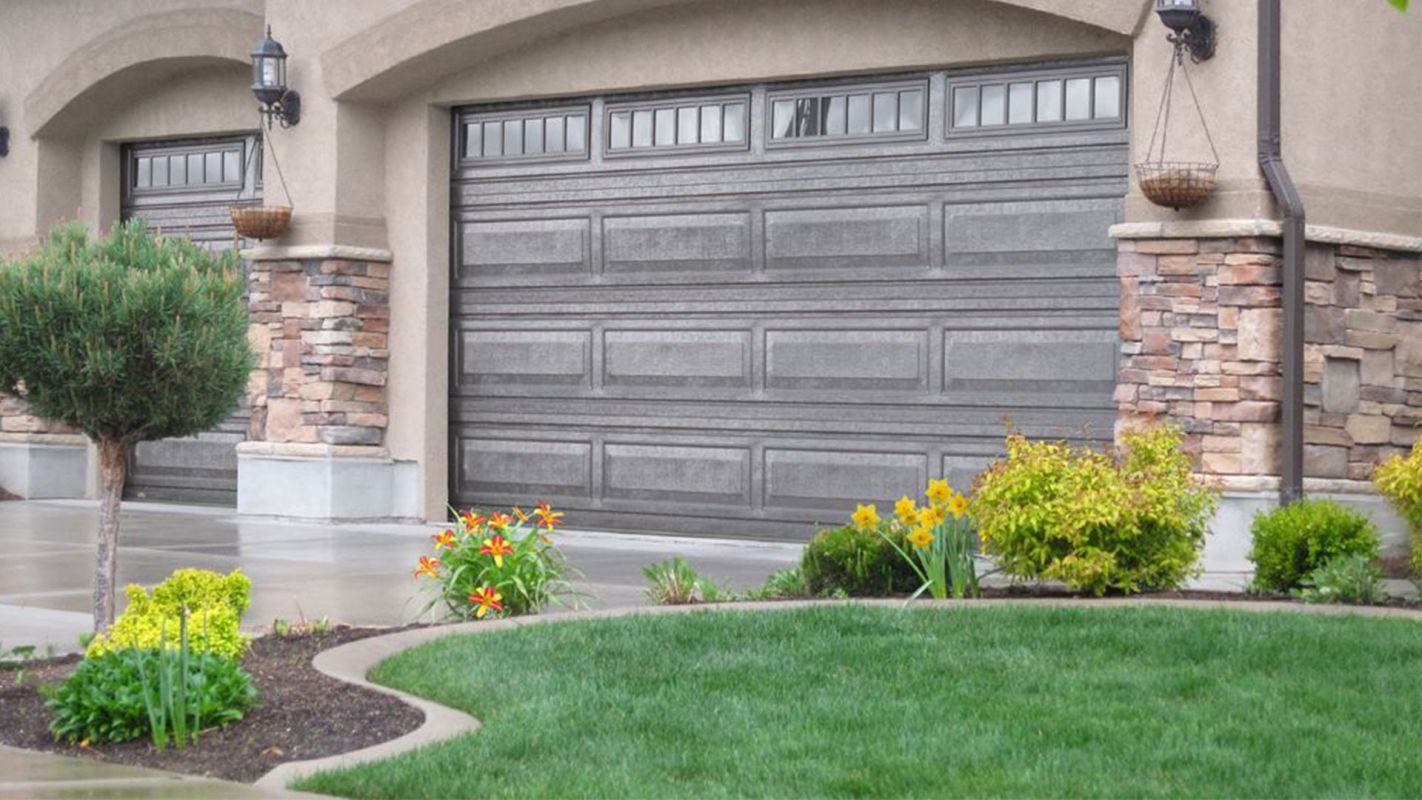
493,139
513,137
1078,99
710,124
533,136
642,128
577,133
911,110
687,126
213,162
886,111
1019,103
232,166
965,107
554,140
1108,98
621,129
143,172
160,171
178,170
994,104
734,122
473,140
859,105
834,111
783,119
195,168
1049,101
665,125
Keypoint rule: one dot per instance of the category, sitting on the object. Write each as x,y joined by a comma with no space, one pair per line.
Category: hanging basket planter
261,222
1176,184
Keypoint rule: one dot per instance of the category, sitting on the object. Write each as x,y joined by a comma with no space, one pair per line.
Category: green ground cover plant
1292,541
851,701
1349,580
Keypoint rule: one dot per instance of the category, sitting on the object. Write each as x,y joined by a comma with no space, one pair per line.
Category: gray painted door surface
185,189
740,311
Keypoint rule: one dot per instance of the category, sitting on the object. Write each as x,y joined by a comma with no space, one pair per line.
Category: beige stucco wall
368,165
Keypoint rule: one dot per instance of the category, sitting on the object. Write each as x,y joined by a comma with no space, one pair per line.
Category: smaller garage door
184,188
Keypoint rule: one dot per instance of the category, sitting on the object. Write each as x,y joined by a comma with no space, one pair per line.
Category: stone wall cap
304,450
1270,483
1244,228
302,252
52,439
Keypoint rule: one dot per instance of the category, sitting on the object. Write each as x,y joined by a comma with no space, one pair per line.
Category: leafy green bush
783,584
859,561
103,699
1098,522
1399,479
1293,540
1352,580
214,605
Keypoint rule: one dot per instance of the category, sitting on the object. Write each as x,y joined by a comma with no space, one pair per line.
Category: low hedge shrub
859,561
1124,521
1292,541
213,603
1399,479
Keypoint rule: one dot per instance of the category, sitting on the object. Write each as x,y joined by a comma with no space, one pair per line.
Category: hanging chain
1161,132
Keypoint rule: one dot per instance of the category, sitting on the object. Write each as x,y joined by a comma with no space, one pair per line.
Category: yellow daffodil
938,491
958,506
930,517
865,517
906,510
921,538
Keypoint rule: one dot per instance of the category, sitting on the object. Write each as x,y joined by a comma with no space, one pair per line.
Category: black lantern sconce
1192,29
4,141
269,83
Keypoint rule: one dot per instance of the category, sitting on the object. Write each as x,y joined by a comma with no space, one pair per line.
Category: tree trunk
113,471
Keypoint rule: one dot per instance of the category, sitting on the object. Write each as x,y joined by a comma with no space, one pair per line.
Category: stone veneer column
320,329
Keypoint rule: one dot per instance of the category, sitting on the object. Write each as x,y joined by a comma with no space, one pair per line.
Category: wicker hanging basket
1176,184
261,222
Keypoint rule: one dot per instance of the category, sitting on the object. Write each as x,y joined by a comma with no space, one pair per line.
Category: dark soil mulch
303,714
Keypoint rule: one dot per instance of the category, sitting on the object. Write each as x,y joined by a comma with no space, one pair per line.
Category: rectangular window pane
1108,97
834,111
1019,103
533,136
734,122
1049,101
577,133
160,171
143,172
178,170
493,139
621,130
886,111
783,119
710,124
911,110
807,113
473,140
513,137
231,166
859,105
213,163
687,126
553,139
195,168
666,127
993,104
965,107
642,128
1078,98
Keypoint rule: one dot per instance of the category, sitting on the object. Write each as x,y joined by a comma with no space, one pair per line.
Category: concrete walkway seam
351,662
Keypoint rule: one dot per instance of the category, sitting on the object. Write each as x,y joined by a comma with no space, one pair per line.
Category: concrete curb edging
351,662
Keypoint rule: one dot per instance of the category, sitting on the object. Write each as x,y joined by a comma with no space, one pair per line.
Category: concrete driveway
358,574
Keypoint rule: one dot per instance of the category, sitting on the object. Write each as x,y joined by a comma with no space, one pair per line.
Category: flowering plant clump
496,564
941,538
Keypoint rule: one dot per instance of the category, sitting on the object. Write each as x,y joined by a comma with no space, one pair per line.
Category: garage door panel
525,468
655,244
837,479
677,473
850,361
1038,365
834,238
525,359
525,248
660,359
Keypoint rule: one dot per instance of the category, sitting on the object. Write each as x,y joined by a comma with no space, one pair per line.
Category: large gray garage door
739,311
185,189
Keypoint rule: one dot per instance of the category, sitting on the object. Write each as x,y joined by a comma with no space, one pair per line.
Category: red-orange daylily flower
487,598
548,517
428,566
445,539
472,521
518,512
498,547
499,522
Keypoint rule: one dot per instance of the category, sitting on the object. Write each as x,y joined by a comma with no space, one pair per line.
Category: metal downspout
1271,162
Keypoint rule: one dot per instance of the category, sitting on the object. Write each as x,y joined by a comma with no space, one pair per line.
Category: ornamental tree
128,338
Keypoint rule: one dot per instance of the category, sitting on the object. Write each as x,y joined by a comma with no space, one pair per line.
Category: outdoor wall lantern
269,83
4,141
1191,27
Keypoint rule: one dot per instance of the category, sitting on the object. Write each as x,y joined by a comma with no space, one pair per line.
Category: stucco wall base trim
348,488
322,252
1246,228
37,470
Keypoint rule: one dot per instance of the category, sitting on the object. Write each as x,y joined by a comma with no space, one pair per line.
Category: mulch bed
303,714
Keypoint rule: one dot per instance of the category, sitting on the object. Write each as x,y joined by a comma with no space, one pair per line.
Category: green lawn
876,702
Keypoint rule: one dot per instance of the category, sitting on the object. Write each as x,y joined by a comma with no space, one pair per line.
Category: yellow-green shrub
214,604
1095,521
1399,479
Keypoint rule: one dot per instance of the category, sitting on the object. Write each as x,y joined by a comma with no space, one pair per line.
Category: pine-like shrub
126,338
1292,541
